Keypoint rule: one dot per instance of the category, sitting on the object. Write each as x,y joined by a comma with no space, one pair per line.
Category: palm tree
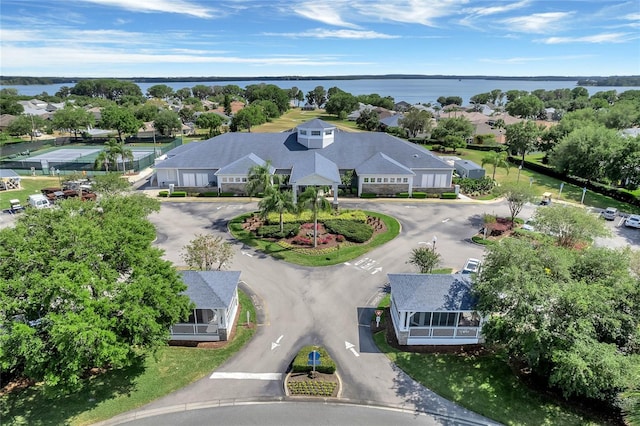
103,159
313,198
260,178
115,149
496,159
276,201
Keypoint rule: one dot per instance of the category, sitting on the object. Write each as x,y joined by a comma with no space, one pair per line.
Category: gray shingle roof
381,164
466,165
432,292
348,151
316,123
8,173
242,165
315,164
211,289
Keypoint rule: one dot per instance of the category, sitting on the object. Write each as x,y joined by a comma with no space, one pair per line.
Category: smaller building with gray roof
434,309
215,296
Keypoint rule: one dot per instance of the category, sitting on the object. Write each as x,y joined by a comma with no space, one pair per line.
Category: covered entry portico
315,170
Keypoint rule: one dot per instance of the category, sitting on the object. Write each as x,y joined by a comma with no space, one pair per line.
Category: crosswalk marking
246,376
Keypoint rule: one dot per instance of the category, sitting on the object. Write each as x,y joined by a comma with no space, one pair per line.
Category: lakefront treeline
582,80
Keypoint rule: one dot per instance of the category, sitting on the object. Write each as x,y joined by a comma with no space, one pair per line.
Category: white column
410,186
295,193
335,195
360,179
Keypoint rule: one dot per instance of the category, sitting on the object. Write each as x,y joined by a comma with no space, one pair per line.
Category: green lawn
30,185
296,116
116,392
484,384
542,183
324,257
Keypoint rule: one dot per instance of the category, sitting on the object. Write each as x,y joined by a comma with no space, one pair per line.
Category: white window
303,132
366,180
379,180
224,179
405,180
392,180
328,132
315,133
385,180
244,179
238,179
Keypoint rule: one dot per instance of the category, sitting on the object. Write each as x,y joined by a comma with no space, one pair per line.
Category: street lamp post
435,239
561,187
584,191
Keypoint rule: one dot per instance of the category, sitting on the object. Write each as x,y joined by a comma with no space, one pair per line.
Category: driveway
329,306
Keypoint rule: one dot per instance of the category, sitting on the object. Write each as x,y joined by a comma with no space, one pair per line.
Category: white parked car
610,213
633,221
471,266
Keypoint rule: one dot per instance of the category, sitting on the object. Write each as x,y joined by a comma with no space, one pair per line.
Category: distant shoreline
582,80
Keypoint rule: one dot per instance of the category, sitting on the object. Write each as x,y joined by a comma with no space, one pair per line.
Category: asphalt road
329,306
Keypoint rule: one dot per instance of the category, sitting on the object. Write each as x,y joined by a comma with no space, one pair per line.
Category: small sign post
378,315
314,359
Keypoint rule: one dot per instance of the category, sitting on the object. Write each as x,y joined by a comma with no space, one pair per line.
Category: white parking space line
246,376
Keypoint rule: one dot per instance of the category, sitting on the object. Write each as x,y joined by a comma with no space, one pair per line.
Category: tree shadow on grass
36,405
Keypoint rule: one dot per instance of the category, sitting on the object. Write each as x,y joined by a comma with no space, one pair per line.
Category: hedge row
449,195
356,232
307,216
301,361
173,194
368,195
419,194
273,231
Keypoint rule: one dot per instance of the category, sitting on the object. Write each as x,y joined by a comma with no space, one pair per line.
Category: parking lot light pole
584,191
435,239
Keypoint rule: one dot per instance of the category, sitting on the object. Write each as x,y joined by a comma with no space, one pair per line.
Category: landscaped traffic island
327,238
313,374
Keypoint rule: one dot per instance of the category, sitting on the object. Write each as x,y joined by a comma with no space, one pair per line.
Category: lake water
409,90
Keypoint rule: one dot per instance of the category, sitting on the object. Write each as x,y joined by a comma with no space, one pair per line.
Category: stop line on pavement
366,264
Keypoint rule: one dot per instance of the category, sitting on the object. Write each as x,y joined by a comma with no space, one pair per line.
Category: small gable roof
432,292
8,173
316,165
242,166
211,289
381,164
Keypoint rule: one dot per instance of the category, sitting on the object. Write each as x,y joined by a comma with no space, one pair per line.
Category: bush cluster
402,195
273,231
368,195
327,365
356,232
419,195
307,216
163,194
449,195
312,388
209,194
475,186
178,194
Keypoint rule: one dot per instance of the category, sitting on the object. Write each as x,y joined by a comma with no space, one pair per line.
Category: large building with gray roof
314,153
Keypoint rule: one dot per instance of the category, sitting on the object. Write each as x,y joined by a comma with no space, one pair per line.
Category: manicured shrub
356,232
368,195
307,216
178,194
273,231
163,194
303,241
209,194
402,195
419,195
300,363
340,238
227,194
449,195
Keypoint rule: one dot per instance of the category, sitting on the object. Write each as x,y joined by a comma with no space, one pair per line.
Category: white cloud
494,10
537,22
345,34
596,38
325,13
409,11
181,7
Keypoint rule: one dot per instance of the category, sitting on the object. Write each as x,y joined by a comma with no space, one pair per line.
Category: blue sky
227,38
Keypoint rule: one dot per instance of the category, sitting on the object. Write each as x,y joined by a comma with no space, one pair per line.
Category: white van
39,201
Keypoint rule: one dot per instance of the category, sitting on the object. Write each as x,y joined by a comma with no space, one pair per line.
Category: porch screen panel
427,180
440,180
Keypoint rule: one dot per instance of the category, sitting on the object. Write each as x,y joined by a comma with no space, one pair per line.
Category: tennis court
75,159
